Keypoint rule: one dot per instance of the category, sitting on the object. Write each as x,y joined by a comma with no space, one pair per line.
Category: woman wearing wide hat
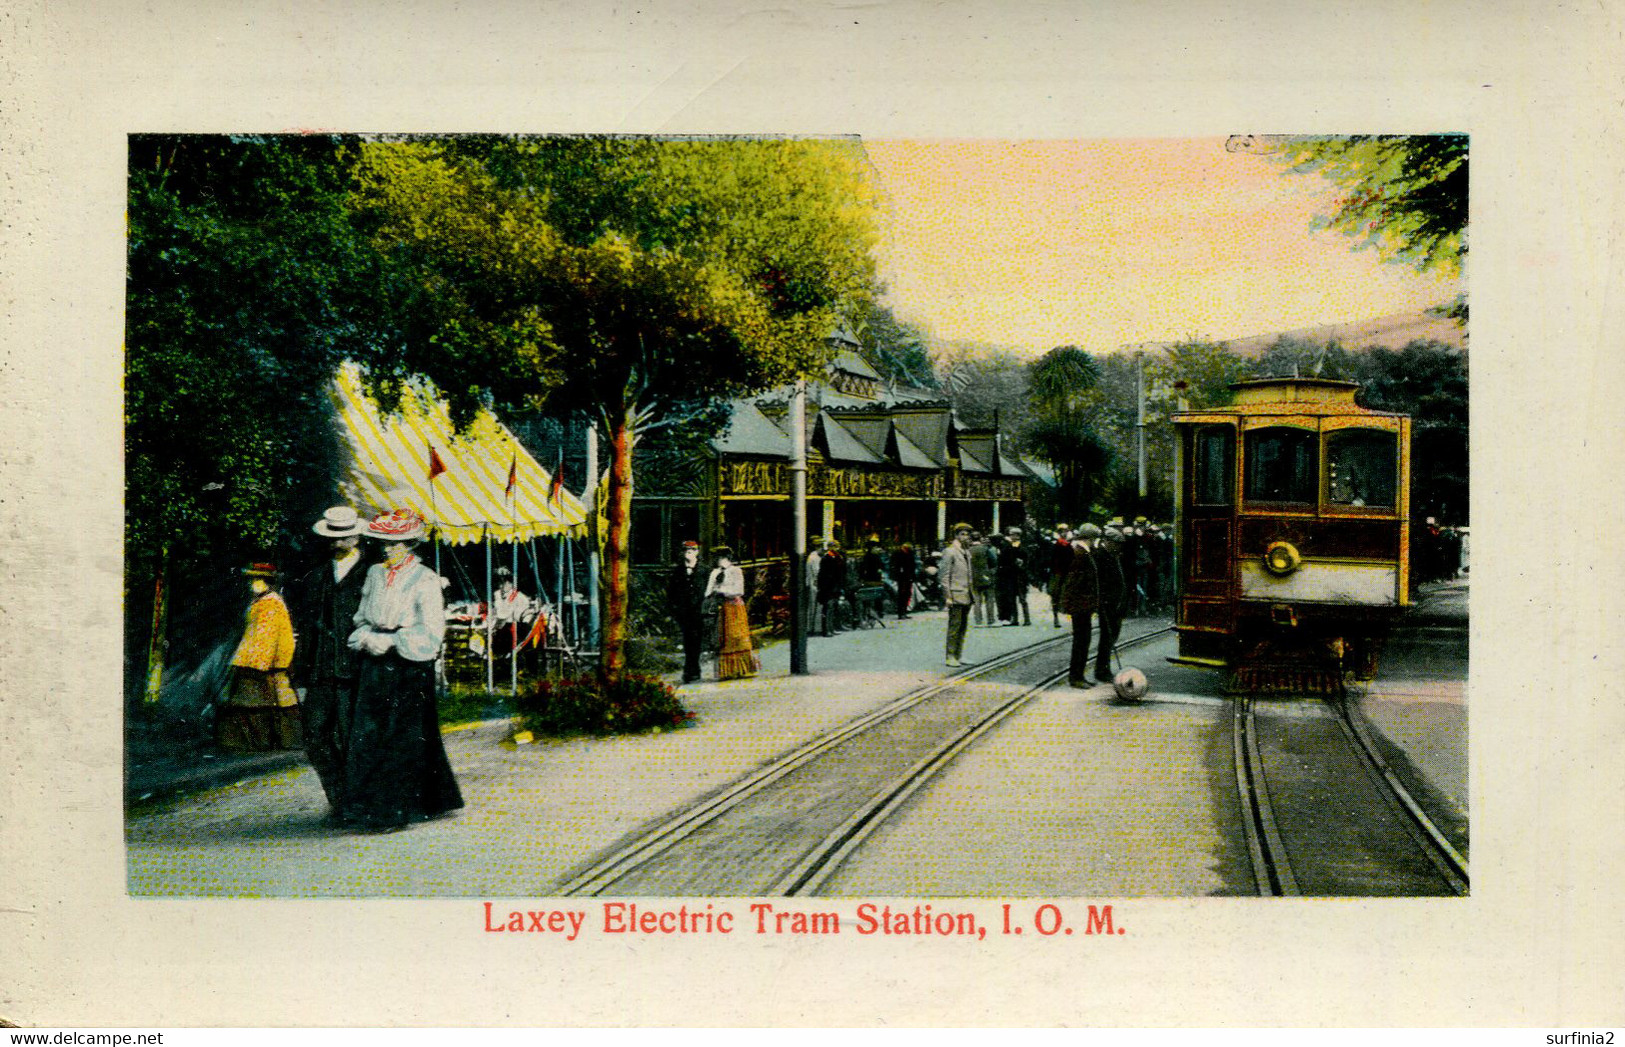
262,711
395,764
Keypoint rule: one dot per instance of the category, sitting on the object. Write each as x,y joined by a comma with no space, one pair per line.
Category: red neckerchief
391,572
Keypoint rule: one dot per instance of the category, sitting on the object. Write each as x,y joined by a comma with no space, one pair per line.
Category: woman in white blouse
396,769
735,656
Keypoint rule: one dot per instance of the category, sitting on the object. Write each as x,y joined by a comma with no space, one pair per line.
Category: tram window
1361,465
1281,465
1213,465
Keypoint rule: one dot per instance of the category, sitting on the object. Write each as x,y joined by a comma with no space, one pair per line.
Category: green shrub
585,705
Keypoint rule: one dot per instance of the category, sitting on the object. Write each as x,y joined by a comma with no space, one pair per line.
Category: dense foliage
1405,195
246,284
637,280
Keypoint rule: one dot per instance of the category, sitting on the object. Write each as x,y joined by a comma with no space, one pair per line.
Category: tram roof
1304,396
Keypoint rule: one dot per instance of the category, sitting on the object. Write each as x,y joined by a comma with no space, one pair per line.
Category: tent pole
513,655
490,614
590,496
570,572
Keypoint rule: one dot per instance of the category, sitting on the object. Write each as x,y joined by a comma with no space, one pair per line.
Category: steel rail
823,861
1272,871
661,838
1450,863
598,876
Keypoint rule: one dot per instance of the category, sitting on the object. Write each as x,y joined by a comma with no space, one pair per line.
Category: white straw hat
341,521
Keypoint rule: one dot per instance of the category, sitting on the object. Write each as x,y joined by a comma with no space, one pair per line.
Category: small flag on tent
513,476
436,466
534,637
556,488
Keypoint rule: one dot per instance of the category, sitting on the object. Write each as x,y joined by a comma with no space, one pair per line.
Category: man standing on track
1079,596
954,574
1114,595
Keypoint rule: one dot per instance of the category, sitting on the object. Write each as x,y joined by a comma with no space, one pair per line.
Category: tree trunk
617,558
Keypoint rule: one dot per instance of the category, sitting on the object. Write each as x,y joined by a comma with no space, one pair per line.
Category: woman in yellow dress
262,711
735,656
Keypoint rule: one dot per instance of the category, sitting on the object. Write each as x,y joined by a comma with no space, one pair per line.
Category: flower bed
586,705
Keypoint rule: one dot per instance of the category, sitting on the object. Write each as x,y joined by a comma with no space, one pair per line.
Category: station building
888,462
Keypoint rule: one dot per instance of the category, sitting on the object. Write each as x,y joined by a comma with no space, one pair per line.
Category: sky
1102,244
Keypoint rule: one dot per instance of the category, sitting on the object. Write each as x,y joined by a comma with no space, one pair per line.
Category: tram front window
1215,447
1282,465
1361,468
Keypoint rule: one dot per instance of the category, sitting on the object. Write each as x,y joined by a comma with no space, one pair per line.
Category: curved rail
604,872
1272,871
822,862
1451,863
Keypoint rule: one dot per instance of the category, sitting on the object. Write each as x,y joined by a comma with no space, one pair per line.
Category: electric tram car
1293,522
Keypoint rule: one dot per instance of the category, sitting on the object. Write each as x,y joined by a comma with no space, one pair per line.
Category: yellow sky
1034,244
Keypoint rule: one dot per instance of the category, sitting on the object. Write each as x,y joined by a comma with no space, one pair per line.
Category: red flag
535,636
513,476
557,486
436,466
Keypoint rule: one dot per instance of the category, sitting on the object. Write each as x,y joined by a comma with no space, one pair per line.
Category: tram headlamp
1281,558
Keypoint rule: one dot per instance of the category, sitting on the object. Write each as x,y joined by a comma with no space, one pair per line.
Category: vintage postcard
966,541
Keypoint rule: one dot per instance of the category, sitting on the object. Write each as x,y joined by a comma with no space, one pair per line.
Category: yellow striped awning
389,469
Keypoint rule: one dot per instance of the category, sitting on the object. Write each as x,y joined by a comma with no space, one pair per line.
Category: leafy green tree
1405,195
633,279
246,283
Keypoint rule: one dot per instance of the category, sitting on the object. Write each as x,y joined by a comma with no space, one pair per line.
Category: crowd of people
980,579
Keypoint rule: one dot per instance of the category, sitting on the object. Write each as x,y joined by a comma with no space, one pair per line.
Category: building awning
752,433
388,468
842,445
970,463
910,455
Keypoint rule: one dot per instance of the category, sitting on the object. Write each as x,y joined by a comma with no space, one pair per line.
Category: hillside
1390,332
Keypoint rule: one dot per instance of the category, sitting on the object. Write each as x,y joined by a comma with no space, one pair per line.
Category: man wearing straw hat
326,600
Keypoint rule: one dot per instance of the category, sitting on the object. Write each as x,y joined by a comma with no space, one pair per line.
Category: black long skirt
395,766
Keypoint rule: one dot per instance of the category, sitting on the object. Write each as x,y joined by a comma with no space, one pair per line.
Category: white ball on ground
1130,685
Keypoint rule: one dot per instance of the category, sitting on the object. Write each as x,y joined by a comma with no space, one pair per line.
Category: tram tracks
1359,818
835,789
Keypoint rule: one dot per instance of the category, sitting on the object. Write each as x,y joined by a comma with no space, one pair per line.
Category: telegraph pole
1139,425
798,544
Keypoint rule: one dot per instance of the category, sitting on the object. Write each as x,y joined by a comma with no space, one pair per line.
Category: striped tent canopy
390,459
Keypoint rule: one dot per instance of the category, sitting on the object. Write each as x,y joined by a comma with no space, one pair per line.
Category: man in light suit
954,573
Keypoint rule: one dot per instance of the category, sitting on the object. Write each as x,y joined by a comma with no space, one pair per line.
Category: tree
1405,195
1066,406
897,349
634,279
246,284
1428,381
1291,356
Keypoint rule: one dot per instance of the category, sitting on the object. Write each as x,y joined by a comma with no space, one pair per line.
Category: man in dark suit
324,607
1114,598
685,594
